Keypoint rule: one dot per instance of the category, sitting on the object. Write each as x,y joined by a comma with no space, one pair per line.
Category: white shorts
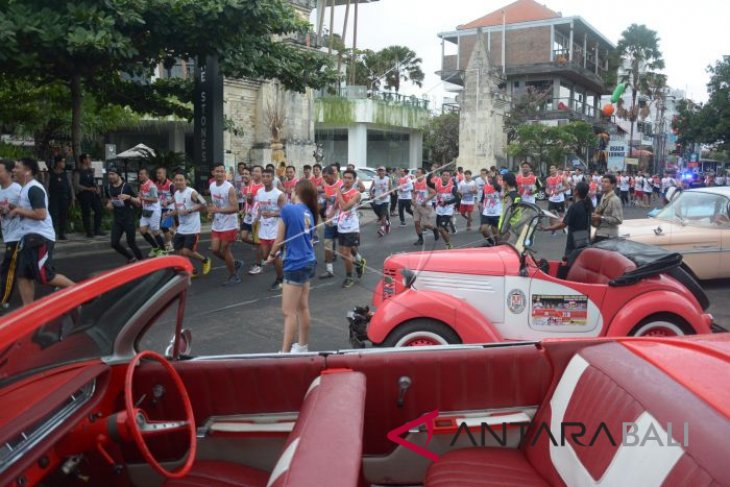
152,222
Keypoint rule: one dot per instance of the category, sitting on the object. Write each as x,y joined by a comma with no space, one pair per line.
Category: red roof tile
519,11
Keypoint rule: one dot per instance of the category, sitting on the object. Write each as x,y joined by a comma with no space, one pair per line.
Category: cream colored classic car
696,223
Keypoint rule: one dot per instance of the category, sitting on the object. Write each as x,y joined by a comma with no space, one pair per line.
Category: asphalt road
247,318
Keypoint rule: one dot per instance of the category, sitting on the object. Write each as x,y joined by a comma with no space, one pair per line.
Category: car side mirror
185,346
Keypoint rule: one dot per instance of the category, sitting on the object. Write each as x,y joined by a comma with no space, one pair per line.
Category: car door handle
704,246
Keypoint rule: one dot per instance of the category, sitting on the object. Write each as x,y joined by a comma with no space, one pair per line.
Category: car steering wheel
140,426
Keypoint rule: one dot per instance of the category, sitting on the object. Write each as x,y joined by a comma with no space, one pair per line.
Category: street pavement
247,318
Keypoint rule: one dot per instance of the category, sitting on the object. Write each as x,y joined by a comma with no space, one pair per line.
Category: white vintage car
696,224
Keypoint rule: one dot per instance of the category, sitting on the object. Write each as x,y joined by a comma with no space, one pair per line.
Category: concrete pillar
552,43
570,52
415,143
556,93
176,138
357,145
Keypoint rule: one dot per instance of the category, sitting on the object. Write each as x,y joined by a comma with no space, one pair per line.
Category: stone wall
249,138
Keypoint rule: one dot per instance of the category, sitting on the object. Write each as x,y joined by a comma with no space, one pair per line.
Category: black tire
432,331
662,321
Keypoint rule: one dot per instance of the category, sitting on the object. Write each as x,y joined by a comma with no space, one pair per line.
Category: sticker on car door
558,311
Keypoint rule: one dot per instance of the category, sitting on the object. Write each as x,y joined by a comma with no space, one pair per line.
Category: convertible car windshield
695,207
86,332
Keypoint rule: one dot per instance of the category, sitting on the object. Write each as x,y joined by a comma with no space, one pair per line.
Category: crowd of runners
246,207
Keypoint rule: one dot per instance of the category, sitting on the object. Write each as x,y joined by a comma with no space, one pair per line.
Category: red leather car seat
603,387
599,266
323,450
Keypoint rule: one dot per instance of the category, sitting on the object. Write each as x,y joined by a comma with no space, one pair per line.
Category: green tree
716,112
579,137
441,137
44,113
639,50
709,123
406,66
109,46
544,144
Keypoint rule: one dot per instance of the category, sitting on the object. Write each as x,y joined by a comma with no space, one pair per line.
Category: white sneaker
296,348
255,270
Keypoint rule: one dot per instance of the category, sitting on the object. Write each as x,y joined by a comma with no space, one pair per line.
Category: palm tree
403,65
639,49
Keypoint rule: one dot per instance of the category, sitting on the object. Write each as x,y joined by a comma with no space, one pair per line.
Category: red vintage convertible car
89,398
506,292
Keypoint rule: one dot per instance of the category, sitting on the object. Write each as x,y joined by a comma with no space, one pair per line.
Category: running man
290,183
491,211
468,190
405,195
37,236
165,189
556,188
9,199
269,201
332,185
122,200
423,196
307,172
149,223
248,228
527,183
445,200
348,227
380,192
224,230
188,205
240,181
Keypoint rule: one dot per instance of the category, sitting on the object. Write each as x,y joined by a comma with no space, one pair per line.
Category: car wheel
420,333
662,325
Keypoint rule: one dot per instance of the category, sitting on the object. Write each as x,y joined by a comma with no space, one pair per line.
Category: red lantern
607,110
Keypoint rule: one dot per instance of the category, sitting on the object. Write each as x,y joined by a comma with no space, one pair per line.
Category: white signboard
616,155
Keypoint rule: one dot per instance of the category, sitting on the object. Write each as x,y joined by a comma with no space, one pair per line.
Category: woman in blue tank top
297,228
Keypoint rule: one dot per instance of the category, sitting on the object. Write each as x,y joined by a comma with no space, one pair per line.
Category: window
697,208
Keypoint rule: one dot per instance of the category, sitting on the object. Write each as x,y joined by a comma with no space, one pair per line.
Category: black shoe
419,241
62,237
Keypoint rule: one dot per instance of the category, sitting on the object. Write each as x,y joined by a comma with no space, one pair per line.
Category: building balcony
566,108
573,71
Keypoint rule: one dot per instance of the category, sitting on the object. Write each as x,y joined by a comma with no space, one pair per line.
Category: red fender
463,318
378,294
653,302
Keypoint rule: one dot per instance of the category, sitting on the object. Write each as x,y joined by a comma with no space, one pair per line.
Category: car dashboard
38,417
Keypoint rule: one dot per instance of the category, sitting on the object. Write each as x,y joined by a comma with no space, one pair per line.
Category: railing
568,105
561,57
360,92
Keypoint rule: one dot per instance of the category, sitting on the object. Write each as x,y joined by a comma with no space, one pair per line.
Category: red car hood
496,261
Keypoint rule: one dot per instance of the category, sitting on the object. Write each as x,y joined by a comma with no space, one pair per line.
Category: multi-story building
563,60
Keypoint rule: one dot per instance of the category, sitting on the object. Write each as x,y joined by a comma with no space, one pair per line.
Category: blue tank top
299,222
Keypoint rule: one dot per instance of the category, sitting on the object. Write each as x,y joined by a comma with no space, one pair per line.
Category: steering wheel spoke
150,428
141,427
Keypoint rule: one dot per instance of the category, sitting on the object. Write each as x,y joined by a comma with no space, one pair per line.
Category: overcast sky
691,37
